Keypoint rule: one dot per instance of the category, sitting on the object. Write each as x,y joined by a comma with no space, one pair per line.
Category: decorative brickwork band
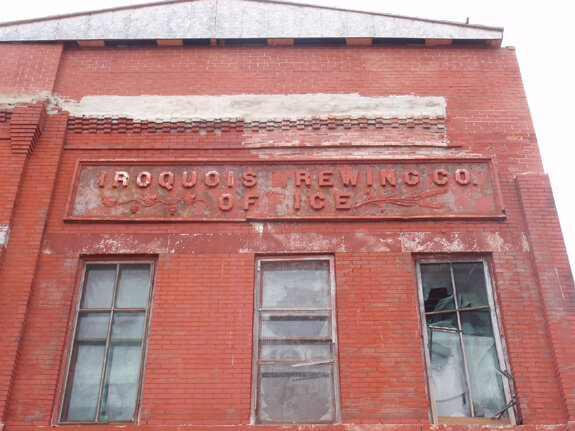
5,115
127,125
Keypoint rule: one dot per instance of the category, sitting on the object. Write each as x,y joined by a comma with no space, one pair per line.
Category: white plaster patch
253,107
25,99
4,235
426,242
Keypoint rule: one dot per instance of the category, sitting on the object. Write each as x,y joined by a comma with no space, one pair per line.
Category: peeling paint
374,243
524,242
311,242
495,241
258,227
454,242
110,245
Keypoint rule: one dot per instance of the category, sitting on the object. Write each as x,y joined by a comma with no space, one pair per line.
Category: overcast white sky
538,30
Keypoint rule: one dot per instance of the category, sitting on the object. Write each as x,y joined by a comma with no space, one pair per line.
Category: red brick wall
28,68
198,368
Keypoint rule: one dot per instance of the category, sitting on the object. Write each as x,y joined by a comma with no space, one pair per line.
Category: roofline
291,3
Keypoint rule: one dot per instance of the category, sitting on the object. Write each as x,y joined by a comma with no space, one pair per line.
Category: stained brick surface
198,371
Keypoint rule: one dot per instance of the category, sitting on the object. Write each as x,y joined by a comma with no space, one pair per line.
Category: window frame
71,341
497,335
258,311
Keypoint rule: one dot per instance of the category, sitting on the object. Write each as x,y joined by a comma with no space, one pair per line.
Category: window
463,348
295,359
105,368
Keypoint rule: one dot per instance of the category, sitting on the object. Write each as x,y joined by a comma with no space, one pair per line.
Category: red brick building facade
291,223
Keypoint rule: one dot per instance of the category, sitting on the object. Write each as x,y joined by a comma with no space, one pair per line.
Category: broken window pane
470,283
437,287
461,342
482,361
443,320
449,382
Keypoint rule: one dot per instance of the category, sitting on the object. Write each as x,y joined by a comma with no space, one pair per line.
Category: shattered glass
458,328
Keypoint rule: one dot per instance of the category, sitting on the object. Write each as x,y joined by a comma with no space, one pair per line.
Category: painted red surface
277,190
199,365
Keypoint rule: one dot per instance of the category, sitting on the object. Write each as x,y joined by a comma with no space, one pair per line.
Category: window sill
475,421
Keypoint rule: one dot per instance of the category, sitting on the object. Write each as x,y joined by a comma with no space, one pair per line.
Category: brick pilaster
25,129
554,278
36,182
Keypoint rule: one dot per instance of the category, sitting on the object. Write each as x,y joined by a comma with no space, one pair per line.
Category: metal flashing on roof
236,19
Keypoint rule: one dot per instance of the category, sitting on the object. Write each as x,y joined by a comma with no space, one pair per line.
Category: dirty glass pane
295,325
448,375
295,284
121,382
480,350
93,325
296,394
133,285
85,383
437,287
286,350
470,284
128,325
99,288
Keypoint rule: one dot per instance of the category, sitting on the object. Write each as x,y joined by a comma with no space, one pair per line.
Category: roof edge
290,3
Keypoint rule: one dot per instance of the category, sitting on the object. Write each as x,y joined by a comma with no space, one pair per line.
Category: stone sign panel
282,190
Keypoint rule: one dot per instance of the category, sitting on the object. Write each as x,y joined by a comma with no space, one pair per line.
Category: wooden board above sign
281,190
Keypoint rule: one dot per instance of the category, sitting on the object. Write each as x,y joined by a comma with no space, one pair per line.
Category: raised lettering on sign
399,189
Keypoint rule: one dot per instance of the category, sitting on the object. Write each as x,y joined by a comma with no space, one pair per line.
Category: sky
539,35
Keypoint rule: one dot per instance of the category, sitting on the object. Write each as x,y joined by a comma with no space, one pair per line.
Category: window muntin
463,349
295,369
104,375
